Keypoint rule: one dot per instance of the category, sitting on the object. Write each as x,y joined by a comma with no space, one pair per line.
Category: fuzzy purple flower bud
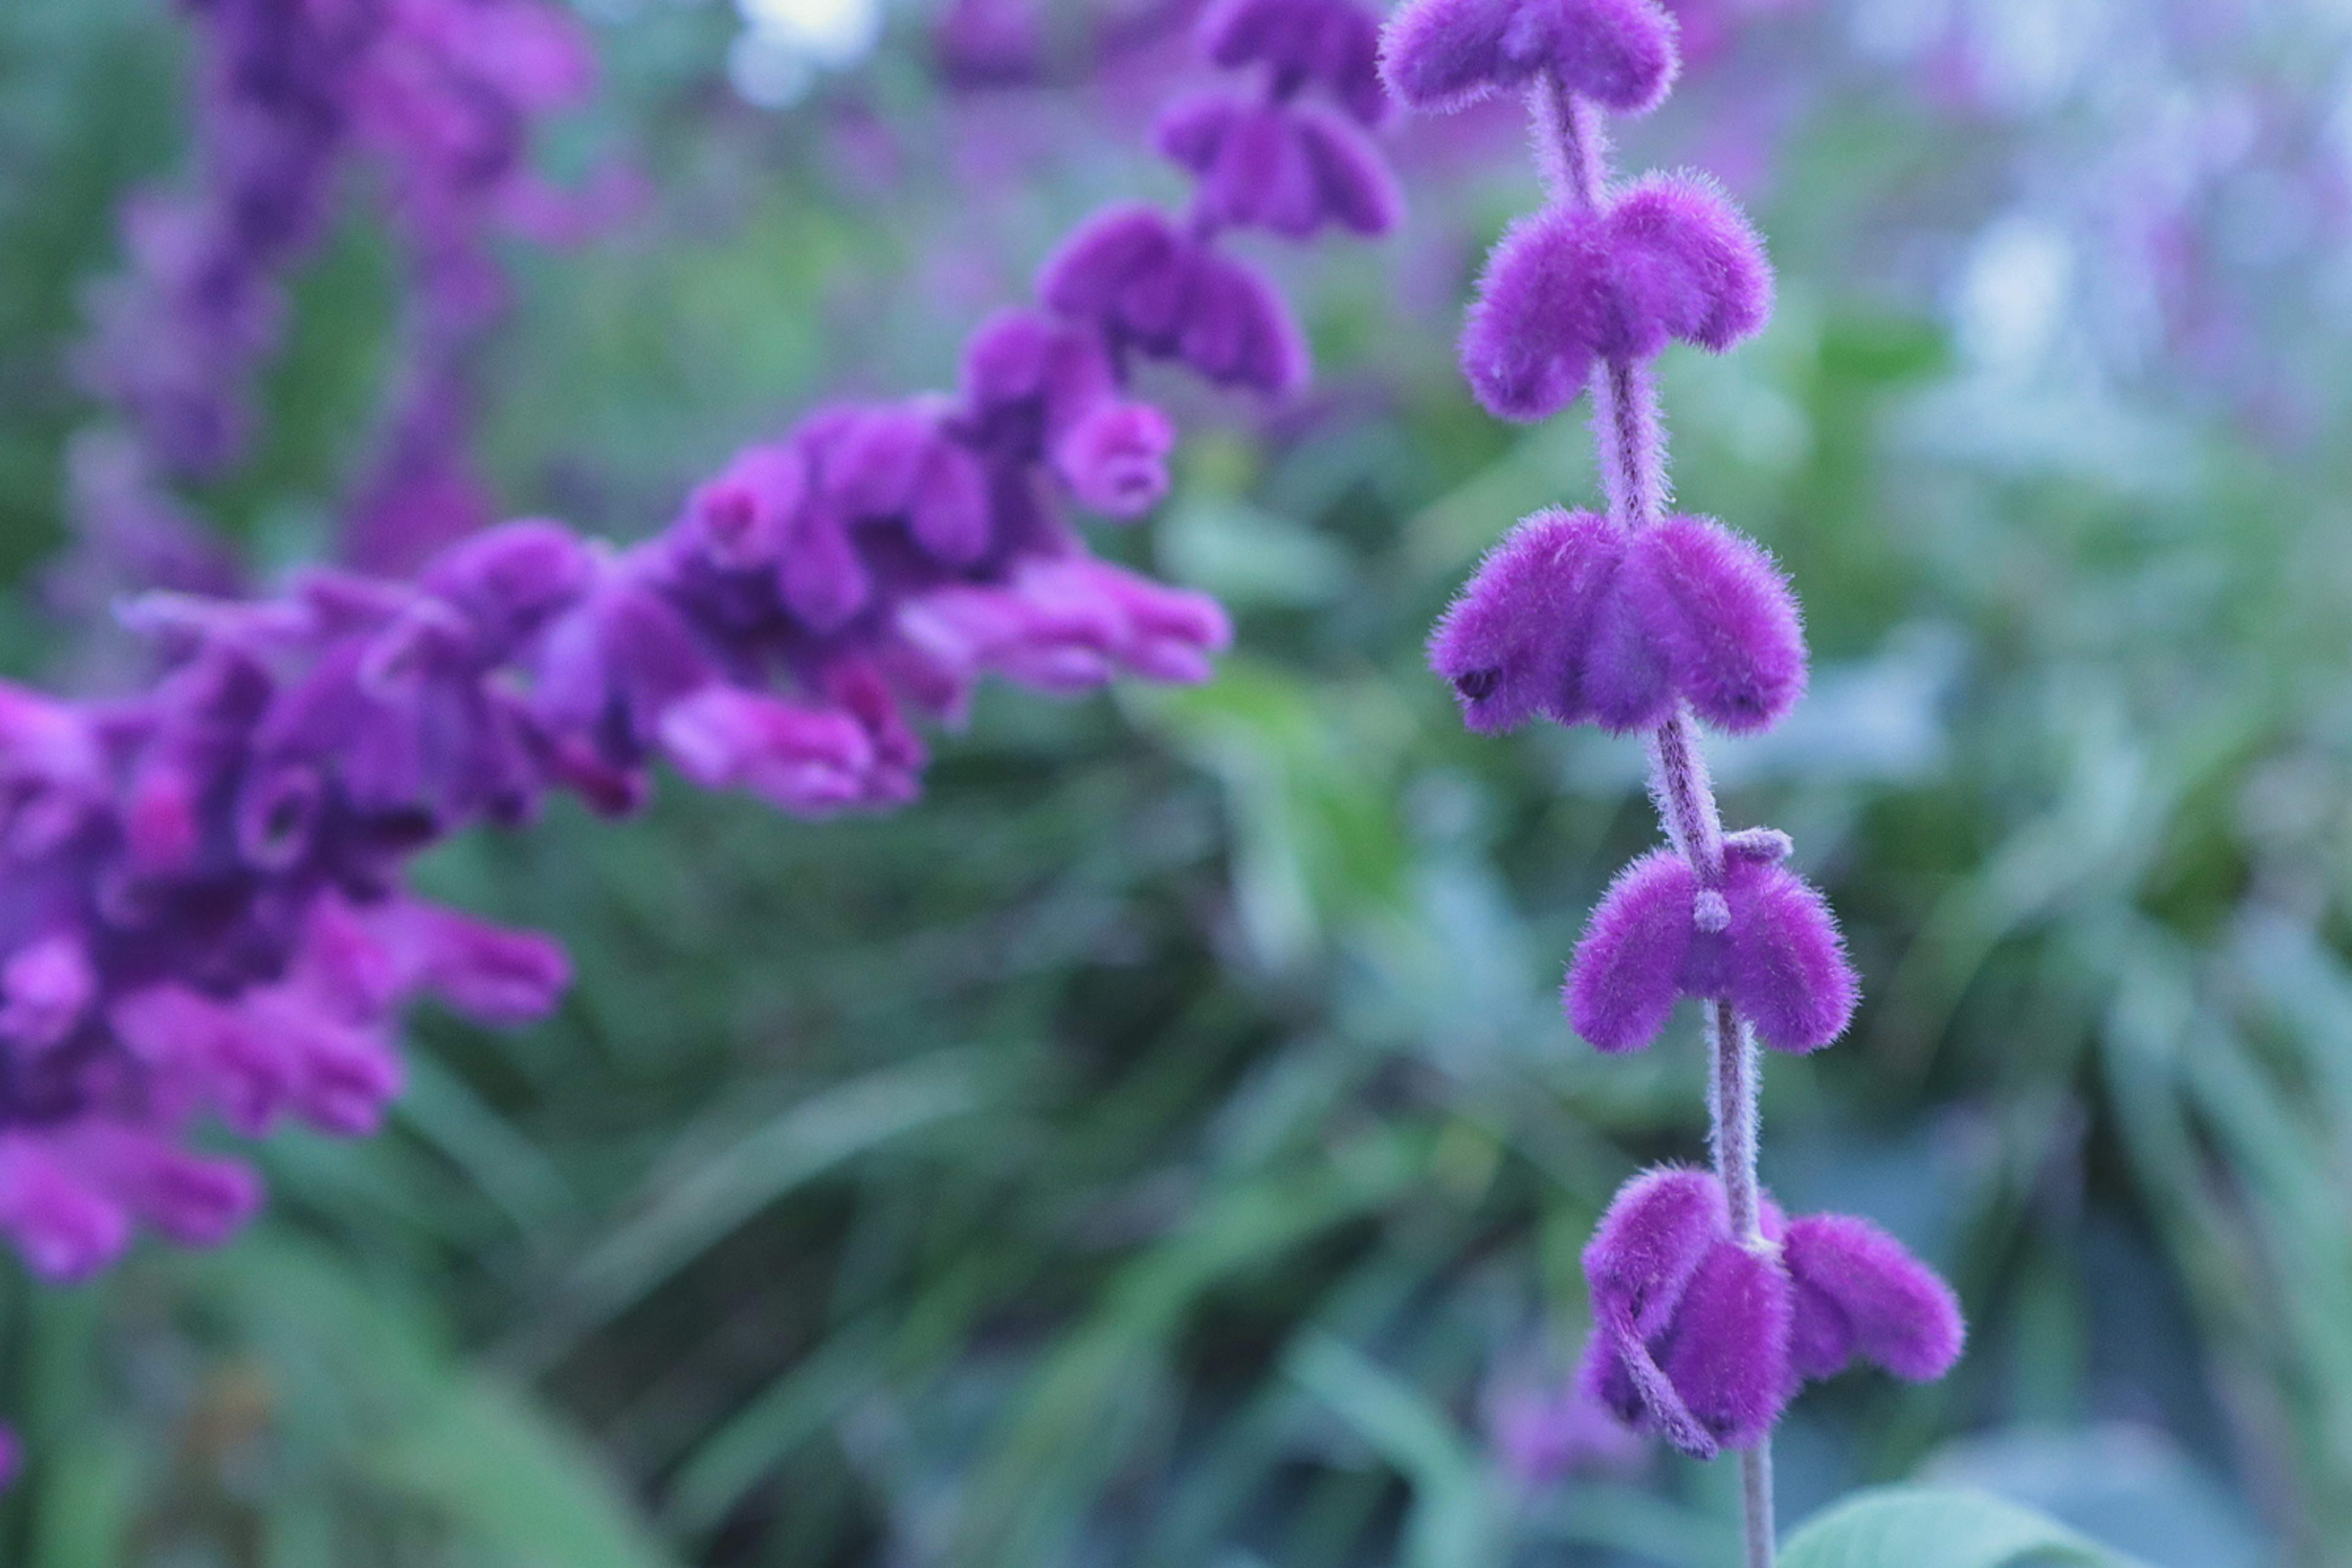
1149,285
1115,459
45,991
802,759
1330,43
1441,55
1656,937
1704,1339
1670,258
1860,1293
1288,167
1578,620
738,518
65,1228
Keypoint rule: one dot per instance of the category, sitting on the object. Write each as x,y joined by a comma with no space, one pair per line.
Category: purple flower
1763,941
1152,288
1440,55
1330,43
1578,620
1289,167
1703,1340
1670,258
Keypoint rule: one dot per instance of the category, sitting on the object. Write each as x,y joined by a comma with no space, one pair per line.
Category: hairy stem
1573,154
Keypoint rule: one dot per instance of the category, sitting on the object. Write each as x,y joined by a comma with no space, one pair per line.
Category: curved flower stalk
1710,1307
202,908
432,100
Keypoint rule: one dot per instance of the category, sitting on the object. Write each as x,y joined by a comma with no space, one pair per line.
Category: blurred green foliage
1152,1148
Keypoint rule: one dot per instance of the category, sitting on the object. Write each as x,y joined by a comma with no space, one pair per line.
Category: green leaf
1939,1527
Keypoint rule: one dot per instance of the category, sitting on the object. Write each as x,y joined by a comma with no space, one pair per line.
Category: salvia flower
1710,1308
1575,620
1446,54
203,915
440,96
1762,940
1703,1337
1670,258
1333,45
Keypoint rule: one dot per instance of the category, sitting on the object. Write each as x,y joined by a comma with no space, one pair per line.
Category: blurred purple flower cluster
435,98
1710,1308
204,912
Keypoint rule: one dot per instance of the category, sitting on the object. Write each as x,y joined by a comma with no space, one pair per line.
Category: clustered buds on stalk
437,96
1710,1307
201,909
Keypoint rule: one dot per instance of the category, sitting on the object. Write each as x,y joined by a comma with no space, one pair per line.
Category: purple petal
1510,642
194,1201
1785,965
738,518
65,1228
1333,43
800,759
1727,1355
49,985
1659,1229
949,513
1113,268
511,580
1355,187
495,975
1723,619
1237,332
819,575
1690,265
1544,304
1114,460
1860,1291
873,457
1441,55
1627,973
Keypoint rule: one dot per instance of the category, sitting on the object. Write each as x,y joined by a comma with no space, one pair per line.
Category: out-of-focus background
1161,1145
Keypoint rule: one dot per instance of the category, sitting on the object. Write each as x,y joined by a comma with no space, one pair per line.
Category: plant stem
1572,151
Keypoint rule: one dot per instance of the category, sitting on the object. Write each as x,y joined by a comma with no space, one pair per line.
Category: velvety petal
1786,965
1114,460
1659,1229
1333,43
1860,1291
1728,1356
1442,54
66,1229
1690,265
798,758
1627,973
48,986
1722,619
819,576
873,457
495,975
1624,679
1237,331
192,1199
1510,644
511,580
949,513
1100,270
1542,306
1356,189
738,517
